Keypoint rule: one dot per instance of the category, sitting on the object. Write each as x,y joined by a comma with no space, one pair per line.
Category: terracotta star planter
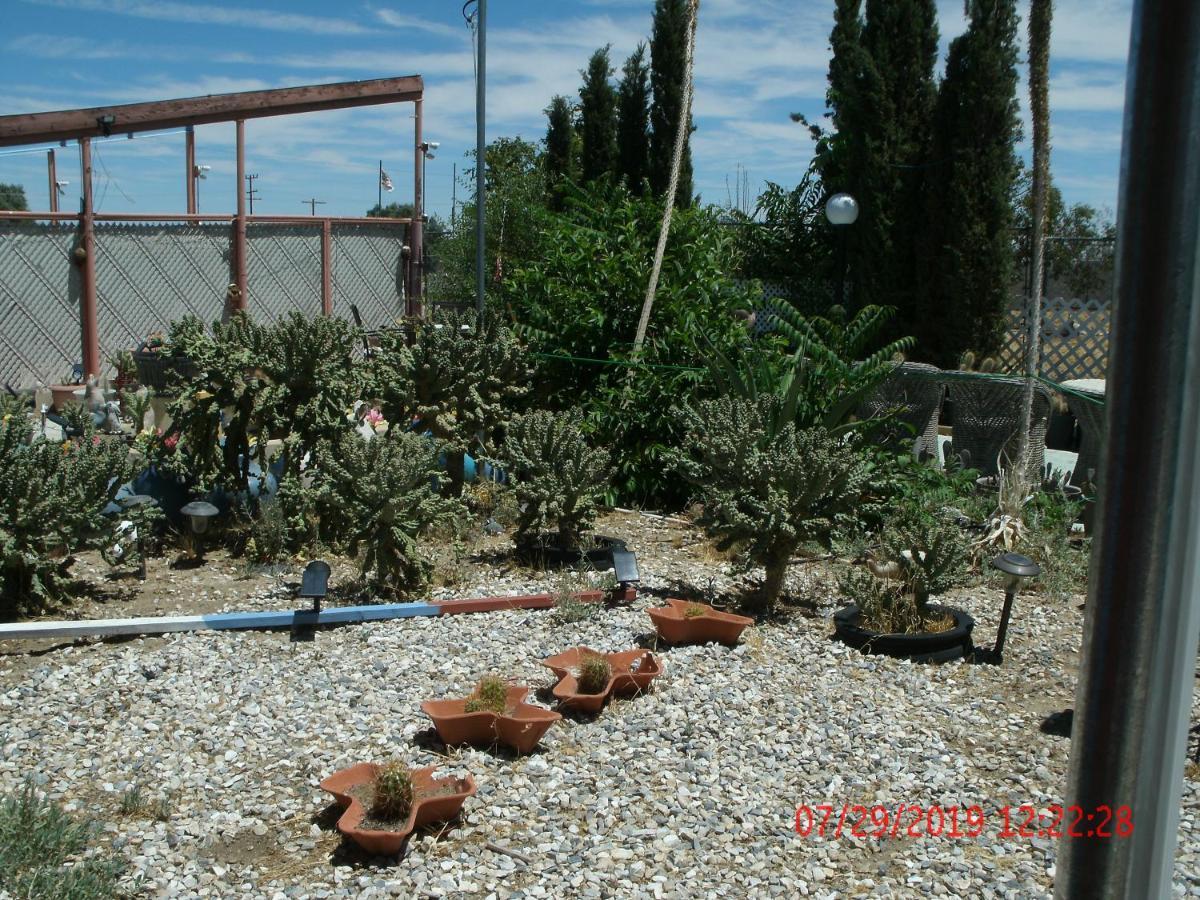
435,800
520,727
675,626
632,672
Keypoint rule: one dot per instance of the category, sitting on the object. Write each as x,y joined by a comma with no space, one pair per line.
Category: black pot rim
541,549
921,647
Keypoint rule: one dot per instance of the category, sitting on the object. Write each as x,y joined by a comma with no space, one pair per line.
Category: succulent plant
393,792
594,674
559,478
490,695
766,483
693,610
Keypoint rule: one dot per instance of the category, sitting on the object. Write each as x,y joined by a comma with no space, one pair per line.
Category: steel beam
132,118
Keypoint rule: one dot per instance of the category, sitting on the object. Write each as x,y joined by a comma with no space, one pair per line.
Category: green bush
770,487
580,295
51,497
376,500
292,381
559,478
37,838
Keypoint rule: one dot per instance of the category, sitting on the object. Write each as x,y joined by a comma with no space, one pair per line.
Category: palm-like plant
828,374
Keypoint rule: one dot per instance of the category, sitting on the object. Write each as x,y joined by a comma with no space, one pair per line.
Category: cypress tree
559,157
968,267
901,39
668,46
633,121
598,118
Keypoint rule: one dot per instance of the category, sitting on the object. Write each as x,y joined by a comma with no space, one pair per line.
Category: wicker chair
1090,416
912,394
987,418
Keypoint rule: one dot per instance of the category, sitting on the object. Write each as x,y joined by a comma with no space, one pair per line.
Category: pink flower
171,441
373,417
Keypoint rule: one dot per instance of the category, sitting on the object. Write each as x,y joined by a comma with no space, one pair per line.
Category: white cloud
209,14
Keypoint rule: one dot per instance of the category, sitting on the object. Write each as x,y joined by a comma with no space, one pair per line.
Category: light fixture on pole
842,211
199,173
1017,568
198,514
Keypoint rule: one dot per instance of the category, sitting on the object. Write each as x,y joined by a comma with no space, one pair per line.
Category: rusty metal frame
83,124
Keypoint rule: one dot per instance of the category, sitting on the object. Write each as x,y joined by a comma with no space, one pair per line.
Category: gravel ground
690,790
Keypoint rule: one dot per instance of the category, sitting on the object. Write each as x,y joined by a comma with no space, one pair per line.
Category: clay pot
64,394
675,627
429,805
520,727
632,672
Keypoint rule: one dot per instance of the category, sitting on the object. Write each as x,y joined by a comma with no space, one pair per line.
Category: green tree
901,38
516,183
559,156
12,196
598,118
391,211
633,122
668,48
968,264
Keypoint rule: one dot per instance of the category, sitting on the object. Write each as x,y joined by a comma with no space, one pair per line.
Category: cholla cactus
458,380
51,497
931,554
393,792
379,493
769,486
291,381
559,478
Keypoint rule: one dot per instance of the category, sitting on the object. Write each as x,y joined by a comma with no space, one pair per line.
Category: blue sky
757,61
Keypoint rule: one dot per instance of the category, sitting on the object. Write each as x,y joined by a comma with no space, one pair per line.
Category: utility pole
312,204
453,193
480,159
251,192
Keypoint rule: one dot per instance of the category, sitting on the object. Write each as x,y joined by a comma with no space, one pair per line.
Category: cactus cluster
560,480
767,484
594,673
393,792
490,695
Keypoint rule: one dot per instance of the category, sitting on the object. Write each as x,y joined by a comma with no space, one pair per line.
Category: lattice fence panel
39,303
368,271
148,276
283,270
1074,339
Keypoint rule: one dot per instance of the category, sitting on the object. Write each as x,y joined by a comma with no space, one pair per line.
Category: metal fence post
88,325
1134,697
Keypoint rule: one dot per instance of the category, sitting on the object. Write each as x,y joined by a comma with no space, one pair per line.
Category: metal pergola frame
82,125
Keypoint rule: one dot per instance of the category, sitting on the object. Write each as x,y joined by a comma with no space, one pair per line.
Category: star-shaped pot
675,626
632,672
435,800
521,725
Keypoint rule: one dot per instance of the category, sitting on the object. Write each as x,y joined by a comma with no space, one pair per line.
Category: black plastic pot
1060,433
921,647
544,552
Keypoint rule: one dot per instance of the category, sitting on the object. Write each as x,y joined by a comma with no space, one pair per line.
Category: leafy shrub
376,499
834,366
768,486
559,478
37,839
392,795
580,295
292,381
458,381
51,497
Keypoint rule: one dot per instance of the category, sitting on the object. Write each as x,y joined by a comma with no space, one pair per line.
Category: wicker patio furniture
912,394
987,418
1089,413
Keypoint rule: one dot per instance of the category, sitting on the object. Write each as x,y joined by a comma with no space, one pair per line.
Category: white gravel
688,791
